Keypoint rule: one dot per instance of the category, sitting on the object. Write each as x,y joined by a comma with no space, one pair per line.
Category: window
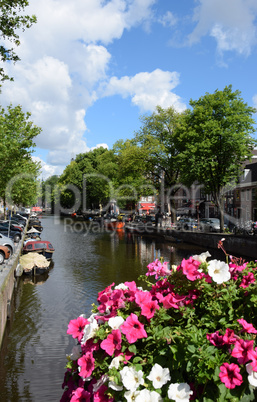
253,194
247,195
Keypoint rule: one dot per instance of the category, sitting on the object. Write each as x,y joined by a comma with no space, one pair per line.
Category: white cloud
46,169
63,62
231,23
168,19
147,90
103,145
255,101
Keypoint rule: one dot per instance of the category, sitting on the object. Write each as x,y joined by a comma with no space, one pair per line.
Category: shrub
189,336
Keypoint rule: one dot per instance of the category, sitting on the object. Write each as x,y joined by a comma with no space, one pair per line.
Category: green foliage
156,138
192,337
214,136
17,170
11,21
87,175
132,179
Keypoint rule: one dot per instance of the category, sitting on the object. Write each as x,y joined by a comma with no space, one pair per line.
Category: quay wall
8,282
245,246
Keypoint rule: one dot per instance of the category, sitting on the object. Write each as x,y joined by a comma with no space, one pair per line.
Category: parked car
4,254
13,225
6,241
210,225
20,218
187,224
15,235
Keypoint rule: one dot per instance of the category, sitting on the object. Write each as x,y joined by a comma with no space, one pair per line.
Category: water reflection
85,261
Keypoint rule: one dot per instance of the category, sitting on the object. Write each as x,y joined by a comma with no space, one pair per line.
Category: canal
85,261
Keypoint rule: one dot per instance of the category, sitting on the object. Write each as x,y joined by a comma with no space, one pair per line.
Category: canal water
85,261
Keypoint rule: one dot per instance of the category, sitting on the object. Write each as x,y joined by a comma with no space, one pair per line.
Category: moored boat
43,247
114,224
34,264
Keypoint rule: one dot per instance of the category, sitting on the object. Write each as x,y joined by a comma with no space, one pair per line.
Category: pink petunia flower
158,269
80,395
247,327
190,269
216,339
142,298
171,300
133,329
247,280
230,375
76,327
86,365
112,342
148,309
230,338
101,396
242,350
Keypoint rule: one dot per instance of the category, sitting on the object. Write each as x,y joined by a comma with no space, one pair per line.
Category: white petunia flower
179,392
131,395
159,376
76,352
201,257
121,286
148,396
100,382
116,362
219,271
131,378
252,375
89,330
115,386
116,322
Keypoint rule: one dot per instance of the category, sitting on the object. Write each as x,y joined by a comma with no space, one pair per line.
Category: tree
49,188
17,135
214,139
23,189
132,180
156,137
11,20
88,173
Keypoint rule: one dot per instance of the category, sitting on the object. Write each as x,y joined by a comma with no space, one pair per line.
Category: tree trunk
221,211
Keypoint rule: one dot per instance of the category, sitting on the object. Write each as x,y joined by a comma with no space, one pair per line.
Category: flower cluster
189,336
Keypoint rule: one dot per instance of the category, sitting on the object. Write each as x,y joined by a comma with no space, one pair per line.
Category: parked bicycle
248,228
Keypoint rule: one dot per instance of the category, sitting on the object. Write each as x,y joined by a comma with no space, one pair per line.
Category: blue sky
90,68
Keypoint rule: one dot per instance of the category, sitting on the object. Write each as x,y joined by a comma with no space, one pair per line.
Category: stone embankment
245,246
8,280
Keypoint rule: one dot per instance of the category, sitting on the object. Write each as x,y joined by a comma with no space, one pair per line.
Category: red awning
147,206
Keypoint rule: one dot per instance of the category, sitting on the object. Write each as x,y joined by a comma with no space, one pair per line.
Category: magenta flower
230,375
133,329
242,350
80,395
112,342
158,269
171,300
148,309
216,339
247,280
76,327
190,269
86,365
142,298
247,327
229,338
101,396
